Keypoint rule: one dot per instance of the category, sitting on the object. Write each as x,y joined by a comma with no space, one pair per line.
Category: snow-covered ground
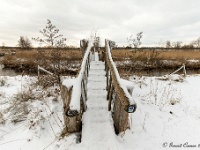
34,122
168,115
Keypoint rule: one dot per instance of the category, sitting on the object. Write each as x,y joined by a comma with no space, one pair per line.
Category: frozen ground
168,115
30,123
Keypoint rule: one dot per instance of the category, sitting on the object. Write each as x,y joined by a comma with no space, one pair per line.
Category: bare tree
24,42
177,44
51,36
3,44
112,44
168,44
135,42
196,43
188,46
54,40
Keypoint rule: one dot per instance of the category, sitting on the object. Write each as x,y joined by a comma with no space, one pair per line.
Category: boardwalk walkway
97,121
97,103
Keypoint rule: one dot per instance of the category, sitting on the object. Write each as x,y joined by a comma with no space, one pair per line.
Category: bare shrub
152,57
2,82
47,80
18,109
2,120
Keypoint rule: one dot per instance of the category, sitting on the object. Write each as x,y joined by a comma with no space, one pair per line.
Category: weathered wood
105,65
116,113
109,86
110,97
103,55
115,93
85,78
83,94
73,118
87,67
72,124
108,77
123,123
120,116
89,62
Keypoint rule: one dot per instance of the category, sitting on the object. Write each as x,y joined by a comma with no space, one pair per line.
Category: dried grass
28,60
30,57
121,54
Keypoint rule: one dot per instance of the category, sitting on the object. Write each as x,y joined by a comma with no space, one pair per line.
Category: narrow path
98,131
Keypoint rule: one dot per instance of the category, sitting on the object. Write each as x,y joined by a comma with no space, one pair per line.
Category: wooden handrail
74,95
123,101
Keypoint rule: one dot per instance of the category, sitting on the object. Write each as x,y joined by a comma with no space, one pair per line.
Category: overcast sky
160,20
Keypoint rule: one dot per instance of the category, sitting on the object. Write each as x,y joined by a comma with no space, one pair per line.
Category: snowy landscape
167,113
99,75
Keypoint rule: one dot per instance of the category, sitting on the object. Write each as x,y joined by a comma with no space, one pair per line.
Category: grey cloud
160,20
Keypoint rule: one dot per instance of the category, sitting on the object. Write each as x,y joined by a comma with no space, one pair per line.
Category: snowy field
33,123
167,117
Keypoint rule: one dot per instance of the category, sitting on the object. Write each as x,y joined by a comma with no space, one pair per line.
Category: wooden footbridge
97,102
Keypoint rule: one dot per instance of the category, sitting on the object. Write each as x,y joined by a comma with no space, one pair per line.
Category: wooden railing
74,95
118,93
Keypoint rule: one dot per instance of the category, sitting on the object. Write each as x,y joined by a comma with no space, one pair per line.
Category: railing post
110,97
84,94
72,124
109,87
116,113
107,78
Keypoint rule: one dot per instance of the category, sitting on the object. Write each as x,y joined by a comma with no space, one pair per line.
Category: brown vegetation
121,54
27,60
131,61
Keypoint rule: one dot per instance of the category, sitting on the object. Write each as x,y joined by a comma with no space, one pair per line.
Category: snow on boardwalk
98,131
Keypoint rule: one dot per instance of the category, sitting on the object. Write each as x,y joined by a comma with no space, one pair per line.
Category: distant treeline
156,48
36,48
117,48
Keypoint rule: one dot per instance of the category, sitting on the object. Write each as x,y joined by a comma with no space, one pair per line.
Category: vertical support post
184,70
38,73
108,78
84,94
116,115
109,87
110,97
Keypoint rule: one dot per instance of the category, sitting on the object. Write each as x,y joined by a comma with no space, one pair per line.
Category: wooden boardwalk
98,104
97,121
